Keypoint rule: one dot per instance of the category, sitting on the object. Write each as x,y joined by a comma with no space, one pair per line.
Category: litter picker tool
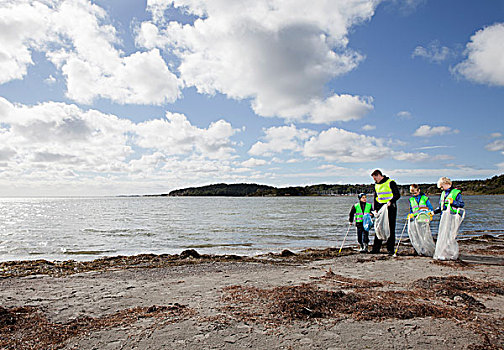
395,253
344,239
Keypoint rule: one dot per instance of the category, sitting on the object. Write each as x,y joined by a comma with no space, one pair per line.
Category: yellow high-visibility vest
416,207
359,215
384,192
443,202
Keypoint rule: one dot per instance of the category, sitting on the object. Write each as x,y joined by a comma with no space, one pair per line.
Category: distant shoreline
494,185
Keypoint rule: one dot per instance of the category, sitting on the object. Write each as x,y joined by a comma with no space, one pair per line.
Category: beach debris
28,328
287,304
190,253
436,297
64,268
286,253
348,282
451,285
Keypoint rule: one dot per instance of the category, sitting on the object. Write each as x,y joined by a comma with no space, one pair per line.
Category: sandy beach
317,299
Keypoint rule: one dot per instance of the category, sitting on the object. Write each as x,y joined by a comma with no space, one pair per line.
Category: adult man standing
385,193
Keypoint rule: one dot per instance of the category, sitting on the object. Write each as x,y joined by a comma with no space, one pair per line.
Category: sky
123,97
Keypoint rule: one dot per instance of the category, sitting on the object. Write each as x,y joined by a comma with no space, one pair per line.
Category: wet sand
317,299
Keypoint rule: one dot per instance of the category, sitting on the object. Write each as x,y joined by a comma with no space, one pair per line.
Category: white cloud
404,115
279,54
456,172
344,146
495,135
253,162
368,127
339,108
496,146
24,26
61,137
434,52
74,36
55,143
485,56
141,78
433,147
428,131
419,157
405,7
176,135
280,139
50,80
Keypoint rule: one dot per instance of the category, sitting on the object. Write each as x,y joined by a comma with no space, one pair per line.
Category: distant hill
494,185
231,190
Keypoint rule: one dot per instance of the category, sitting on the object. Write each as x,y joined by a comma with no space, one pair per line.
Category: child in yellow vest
358,211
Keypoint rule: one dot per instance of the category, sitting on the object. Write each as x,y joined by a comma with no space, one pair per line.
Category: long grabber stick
395,253
344,239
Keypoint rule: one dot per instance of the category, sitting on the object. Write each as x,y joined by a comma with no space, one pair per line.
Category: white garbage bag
420,235
446,245
381,225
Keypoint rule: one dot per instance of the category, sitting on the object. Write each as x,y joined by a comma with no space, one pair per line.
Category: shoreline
20,268
315,300
192,252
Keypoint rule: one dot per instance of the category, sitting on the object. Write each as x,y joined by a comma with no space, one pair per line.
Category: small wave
121,232
87,252
209,245
292,237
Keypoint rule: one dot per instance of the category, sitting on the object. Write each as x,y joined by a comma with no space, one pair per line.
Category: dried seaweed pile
454,264
456,288
28,328
348,282
286,304
484,245
490,250
438,297
452,284
63,268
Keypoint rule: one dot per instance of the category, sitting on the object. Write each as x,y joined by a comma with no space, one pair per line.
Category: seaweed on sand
28,328
436,297
286,304
450,285
347,282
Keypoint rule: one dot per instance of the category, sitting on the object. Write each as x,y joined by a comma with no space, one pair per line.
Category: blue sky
110,97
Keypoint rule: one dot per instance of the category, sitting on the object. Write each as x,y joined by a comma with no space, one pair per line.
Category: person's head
377,175
362,197
414,189
444,183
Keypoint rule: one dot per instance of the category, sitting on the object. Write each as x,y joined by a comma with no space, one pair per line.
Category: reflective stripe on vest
359,215
384,192
416,207
444,201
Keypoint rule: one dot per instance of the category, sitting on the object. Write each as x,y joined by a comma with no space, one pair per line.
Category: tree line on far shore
494,185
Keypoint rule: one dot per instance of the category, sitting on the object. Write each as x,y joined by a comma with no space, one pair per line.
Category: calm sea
89,228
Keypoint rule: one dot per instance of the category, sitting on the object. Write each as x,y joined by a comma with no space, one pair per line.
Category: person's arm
395,192
376,205
458,202
352,214
429,205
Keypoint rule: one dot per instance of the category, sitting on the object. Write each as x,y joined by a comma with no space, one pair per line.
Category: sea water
89,228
